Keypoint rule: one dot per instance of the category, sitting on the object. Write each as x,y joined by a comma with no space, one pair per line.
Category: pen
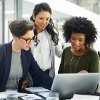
36,93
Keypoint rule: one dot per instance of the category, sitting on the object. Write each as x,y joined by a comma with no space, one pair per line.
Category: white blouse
41,52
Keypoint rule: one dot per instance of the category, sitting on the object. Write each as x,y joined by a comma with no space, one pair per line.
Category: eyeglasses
28,41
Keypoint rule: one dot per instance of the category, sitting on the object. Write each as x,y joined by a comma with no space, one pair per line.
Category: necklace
75,64
40,48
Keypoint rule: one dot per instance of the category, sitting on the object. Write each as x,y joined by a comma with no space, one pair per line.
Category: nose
30,42
44,21
77,42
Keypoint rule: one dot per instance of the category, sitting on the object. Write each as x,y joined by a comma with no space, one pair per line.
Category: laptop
77,83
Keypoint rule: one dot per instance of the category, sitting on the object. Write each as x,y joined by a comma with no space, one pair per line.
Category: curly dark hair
50,27
80,25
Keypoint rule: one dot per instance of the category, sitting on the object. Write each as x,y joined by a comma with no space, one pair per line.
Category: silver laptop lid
68,84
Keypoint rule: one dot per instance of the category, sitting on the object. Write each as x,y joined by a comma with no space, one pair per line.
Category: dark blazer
28,65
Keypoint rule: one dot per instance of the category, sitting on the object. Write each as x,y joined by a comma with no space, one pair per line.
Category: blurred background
62,10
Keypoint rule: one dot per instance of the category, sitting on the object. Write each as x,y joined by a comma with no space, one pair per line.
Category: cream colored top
41,52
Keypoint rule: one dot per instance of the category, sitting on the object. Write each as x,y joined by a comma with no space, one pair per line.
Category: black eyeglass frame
28,41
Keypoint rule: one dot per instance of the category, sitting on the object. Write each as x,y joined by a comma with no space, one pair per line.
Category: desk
84,97
3,95
28,92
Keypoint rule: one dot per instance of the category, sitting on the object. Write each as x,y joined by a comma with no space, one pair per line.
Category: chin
76,48
43,28
26,49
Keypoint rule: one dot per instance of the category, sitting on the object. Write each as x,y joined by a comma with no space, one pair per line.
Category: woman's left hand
83,71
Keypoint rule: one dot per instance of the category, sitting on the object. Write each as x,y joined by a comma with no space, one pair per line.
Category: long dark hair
50,27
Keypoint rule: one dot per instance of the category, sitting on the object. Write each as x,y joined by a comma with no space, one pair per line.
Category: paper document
44,94
2,95
37,89
22,94
85,97
33,96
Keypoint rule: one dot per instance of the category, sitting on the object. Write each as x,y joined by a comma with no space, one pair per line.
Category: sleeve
2,62
2,55
58,49
61,67
39,77
94,64
52,72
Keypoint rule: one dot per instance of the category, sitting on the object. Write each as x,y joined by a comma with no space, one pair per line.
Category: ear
14,37
33,16
69,40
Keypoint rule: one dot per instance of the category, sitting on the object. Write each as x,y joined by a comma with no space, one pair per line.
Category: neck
15,46
39,30
78,52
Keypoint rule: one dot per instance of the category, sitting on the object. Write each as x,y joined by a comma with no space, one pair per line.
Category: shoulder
2,47
67,49
5,46
3,51
92,54
92,51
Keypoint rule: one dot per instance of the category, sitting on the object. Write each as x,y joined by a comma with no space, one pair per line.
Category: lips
27,46
77,47
43,26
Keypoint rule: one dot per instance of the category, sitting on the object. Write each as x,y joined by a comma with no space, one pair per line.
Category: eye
73,38
41,18
81,40
48,19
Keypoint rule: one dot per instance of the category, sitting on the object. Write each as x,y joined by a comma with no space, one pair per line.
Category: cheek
22,45
72,41
47,22
84,41
37,21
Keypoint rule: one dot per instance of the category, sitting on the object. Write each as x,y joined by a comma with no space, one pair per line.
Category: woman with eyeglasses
45,45
16,59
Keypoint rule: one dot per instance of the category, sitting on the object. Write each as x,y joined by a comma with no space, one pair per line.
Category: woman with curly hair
45,44
79,57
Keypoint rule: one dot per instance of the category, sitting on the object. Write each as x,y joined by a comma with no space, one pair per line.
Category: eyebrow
28,37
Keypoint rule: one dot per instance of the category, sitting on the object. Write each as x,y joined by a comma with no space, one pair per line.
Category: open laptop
81,83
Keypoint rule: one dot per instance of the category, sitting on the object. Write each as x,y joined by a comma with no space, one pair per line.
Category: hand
83,71
26,84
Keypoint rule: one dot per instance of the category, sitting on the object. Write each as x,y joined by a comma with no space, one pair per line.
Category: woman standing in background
45,45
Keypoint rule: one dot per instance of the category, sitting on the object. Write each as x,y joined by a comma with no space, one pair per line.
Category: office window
27,9
9,16
1,22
